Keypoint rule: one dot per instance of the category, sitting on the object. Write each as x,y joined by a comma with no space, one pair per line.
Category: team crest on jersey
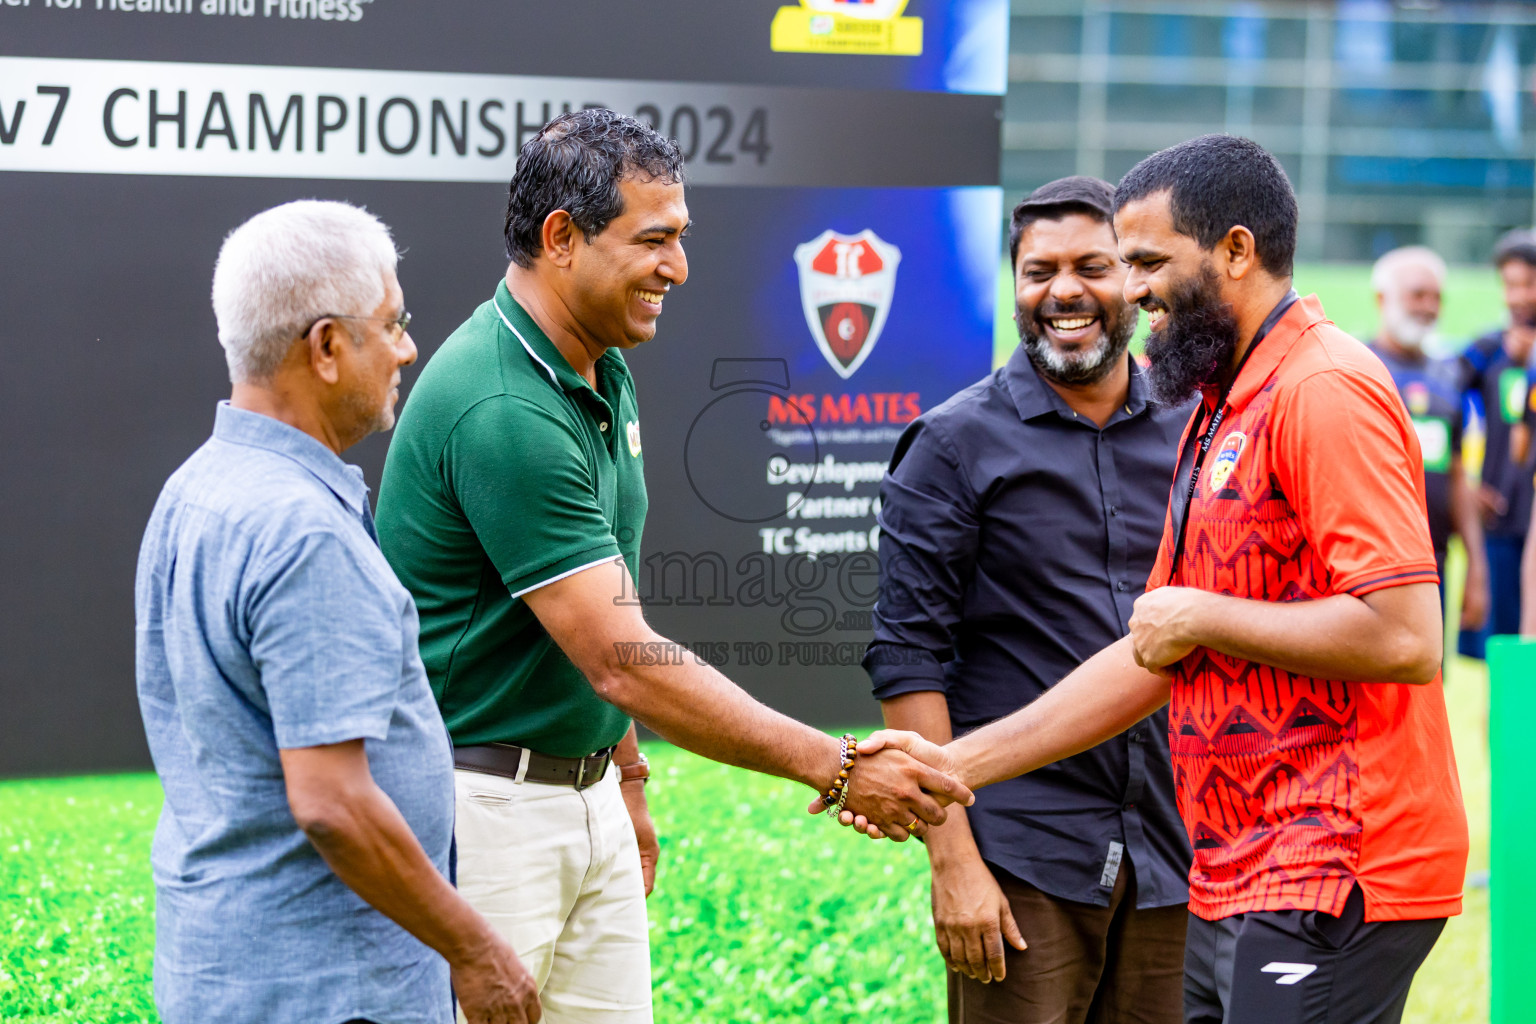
633,430
1416,397
846,286
1226,460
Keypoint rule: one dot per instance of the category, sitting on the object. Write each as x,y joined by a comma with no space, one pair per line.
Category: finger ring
911,826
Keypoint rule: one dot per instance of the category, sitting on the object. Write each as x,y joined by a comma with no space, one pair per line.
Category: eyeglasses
400,323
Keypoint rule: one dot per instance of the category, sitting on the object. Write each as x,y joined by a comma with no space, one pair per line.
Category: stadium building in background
1398,123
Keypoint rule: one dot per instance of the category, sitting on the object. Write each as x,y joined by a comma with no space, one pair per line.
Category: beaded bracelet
837,794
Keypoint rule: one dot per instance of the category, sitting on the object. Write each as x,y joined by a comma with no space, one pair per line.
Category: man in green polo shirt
512,505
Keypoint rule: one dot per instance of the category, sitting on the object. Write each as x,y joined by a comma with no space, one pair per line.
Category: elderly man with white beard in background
1408,282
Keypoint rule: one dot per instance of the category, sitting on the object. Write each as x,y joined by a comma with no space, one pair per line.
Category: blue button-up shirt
1015,538
267,618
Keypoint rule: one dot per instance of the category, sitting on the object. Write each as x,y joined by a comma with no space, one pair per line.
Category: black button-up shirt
1015,537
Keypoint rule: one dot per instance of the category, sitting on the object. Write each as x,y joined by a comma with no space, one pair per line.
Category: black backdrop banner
843,161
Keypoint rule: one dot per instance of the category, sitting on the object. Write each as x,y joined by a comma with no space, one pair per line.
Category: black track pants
1302,967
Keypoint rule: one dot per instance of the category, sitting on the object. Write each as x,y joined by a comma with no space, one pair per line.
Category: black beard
1194,349
1082,370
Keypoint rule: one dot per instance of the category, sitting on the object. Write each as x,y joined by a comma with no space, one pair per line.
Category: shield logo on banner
846,286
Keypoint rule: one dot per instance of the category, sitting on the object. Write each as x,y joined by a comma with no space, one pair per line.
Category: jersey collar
546,358
1302,316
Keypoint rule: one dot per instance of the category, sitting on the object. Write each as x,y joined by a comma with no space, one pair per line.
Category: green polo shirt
508,471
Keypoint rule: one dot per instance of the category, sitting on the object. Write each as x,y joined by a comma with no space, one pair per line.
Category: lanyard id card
1192,458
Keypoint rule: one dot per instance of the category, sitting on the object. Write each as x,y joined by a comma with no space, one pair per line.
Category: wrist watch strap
639,770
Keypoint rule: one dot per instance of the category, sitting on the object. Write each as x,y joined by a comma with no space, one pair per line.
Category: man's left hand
645,830
1162,627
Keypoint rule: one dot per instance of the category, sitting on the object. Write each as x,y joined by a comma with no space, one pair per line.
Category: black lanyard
1197,449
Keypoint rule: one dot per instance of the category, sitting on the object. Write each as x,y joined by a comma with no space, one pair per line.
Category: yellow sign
847,26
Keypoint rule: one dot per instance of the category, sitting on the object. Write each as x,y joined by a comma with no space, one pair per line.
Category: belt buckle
601,756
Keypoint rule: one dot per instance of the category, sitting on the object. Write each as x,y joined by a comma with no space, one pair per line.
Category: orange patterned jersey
1294,789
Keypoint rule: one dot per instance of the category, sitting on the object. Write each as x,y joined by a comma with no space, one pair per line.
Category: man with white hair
302,854
1408,282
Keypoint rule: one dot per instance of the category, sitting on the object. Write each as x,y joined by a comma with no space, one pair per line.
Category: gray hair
289,266
1384,273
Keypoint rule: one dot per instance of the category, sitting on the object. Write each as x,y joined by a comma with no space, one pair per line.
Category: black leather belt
523,765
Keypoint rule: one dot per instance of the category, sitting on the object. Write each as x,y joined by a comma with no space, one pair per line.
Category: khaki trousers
557,873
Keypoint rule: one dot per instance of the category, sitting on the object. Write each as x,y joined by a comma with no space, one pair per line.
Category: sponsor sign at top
952,46
848,26
302,10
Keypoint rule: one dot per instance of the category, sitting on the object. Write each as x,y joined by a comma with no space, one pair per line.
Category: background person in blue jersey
1528,565
1495,368
1408,283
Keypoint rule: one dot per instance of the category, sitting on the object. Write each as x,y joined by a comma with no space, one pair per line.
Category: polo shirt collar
547,359
1302,316
255,430
1033,397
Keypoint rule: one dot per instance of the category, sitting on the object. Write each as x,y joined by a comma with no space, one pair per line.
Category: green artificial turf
760,913
76,901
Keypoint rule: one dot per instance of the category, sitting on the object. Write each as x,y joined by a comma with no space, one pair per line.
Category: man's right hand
971,918
493,986
900,785
1491,503
363,837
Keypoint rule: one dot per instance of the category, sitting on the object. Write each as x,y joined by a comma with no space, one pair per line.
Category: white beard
1407,330
1070,364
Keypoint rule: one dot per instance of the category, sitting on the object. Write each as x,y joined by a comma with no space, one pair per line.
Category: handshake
894,784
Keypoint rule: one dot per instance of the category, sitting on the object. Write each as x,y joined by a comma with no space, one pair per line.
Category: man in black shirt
1019,521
